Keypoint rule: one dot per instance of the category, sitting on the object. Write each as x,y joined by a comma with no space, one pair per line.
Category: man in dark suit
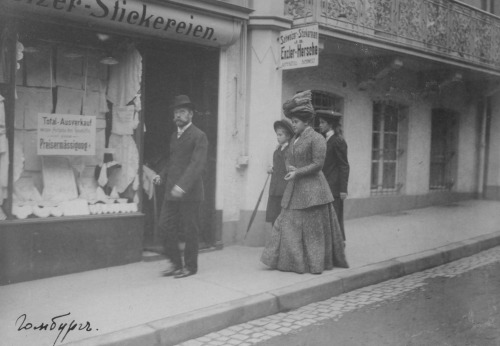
180,214
336,166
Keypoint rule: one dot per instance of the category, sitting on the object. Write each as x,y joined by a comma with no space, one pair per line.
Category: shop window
443,163
74,116
388,139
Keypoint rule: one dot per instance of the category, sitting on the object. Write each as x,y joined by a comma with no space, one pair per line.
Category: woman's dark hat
182,101
328,114
299,106
284,124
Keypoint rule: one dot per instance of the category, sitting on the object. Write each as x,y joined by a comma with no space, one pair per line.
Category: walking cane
256,206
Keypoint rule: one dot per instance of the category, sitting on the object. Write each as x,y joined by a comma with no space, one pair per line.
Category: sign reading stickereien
152,18
299,47
64,134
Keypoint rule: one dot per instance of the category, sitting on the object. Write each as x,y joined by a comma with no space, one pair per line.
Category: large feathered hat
299,106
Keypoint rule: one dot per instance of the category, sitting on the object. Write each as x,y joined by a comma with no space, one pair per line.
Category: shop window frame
383,156
9,88
443,164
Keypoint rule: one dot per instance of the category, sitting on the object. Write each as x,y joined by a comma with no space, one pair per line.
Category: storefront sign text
62,134
138,16
299,47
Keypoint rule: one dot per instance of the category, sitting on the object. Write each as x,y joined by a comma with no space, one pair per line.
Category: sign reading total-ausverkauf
299,47
64,134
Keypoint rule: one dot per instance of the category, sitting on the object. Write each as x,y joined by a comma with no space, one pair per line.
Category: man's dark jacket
186,164
336,166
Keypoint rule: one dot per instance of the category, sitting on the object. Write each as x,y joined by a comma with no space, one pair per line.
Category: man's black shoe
171,272
184,273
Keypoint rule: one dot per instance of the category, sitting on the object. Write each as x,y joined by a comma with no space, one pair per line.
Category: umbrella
256,206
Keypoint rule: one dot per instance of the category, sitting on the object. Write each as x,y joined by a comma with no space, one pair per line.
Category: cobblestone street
334,309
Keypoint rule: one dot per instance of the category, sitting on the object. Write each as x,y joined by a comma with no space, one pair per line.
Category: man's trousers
180,223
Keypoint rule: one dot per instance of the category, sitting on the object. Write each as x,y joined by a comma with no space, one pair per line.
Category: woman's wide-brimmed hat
285,125
182,101
328,114
299,106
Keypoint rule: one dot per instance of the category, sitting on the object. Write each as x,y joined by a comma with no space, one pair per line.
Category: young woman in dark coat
284,132
336,166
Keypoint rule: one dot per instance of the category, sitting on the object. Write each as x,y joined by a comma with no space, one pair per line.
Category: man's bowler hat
182,101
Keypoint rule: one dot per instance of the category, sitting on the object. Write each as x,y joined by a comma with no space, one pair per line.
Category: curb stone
176,329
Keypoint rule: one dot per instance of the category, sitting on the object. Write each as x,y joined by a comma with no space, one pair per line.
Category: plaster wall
231,140
468,153
418,149
493,174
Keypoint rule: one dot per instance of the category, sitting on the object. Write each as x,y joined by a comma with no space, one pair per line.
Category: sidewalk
133,305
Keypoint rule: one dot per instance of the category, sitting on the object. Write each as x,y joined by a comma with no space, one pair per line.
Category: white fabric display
114,194
103,175
59,182
147,181
125,120
38,67
87,184
69,69
25,190
29,103
32,162
127,155
97,73
69,101
125,78
18,154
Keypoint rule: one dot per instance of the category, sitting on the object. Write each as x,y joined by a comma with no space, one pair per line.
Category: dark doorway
172,69
444,141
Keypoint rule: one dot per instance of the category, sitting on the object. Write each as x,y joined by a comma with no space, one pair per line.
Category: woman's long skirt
305,241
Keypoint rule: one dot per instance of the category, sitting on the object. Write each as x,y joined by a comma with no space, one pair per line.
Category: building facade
416,82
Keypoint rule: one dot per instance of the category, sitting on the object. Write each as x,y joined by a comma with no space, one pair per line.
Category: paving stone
240,337
227,332
192,343
284,330
272,326
272,333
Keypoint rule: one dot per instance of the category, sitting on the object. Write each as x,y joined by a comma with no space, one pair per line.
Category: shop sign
299,47
136,16
64,134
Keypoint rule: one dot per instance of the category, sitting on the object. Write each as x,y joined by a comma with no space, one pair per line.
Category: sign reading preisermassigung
63,134
299,47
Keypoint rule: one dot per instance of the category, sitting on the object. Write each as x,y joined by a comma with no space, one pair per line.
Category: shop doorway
173,69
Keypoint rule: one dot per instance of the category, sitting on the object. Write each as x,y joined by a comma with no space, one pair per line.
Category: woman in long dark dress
306,236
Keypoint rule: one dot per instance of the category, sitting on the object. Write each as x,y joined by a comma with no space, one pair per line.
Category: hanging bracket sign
63,134
299,47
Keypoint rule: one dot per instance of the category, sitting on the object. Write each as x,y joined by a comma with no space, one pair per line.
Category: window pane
391,121
389,181
376,117
375,140
374,175
391,141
